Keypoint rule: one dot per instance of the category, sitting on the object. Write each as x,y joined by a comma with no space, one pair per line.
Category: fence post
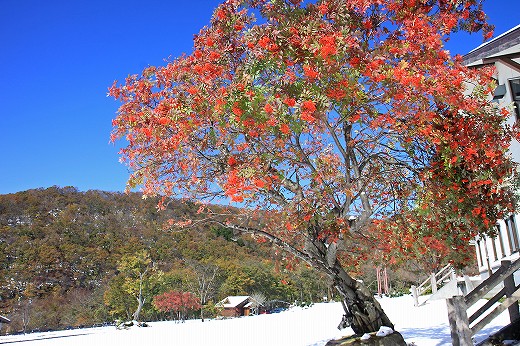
453,275
509,284
459,323
434,283
415,296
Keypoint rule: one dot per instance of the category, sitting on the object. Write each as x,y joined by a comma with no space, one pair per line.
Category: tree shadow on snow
442,334
42,338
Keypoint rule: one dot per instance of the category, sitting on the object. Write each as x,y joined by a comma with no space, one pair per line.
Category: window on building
499,92
479,250
512,234
494,247
501,242
514,230
515,94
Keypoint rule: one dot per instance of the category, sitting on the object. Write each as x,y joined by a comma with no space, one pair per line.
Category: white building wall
505,74
490,252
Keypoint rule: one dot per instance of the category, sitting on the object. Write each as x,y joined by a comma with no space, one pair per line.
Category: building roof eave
493,48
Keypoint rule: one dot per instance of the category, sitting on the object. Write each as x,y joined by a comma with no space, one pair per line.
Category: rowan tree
321,123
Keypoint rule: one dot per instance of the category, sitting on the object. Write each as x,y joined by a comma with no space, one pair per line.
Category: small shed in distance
236,306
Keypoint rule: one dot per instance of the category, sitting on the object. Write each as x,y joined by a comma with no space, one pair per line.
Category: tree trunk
363,313
140,299
140,303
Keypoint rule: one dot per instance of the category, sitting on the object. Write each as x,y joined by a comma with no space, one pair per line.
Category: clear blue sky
57,59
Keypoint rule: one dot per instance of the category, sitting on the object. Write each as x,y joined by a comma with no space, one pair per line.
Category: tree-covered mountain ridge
70,258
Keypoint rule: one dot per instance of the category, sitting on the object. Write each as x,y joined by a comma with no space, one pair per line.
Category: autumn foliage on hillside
72,259
341,119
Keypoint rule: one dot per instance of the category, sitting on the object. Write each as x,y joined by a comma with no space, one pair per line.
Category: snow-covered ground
425,326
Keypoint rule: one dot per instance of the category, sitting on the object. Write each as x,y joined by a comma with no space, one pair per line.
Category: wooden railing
460,324
433,282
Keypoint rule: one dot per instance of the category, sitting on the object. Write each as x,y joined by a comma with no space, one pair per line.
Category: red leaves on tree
164,121
176,302
310,72
328,46
317,120
237,110
290,102
264,42
285,129
309,105
232,161
308,117
259,183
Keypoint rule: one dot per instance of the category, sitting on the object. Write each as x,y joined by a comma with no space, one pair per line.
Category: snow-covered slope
425,326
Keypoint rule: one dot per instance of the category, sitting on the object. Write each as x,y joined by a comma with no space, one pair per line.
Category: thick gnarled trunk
363,313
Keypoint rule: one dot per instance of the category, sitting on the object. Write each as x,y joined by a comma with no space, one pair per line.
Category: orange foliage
318,120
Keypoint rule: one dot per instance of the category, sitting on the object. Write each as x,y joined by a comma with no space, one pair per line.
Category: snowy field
425,326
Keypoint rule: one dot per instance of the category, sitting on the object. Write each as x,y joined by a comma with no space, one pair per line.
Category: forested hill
67,256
